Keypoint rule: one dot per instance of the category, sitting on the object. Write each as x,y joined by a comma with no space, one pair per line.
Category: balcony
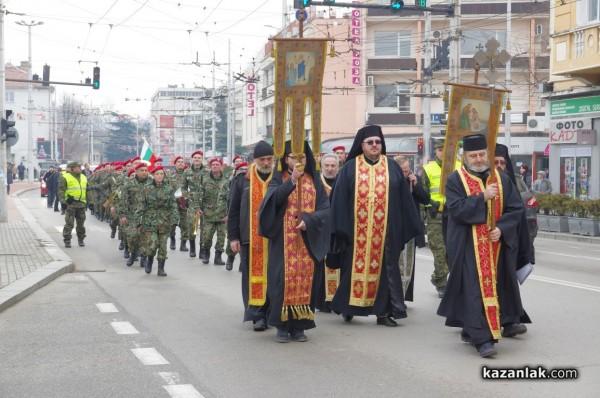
583,62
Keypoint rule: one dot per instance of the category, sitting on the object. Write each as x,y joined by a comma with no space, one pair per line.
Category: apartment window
393,96
392,44
593,8
9,96
404,98
473,40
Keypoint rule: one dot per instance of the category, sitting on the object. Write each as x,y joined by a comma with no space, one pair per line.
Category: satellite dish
436,34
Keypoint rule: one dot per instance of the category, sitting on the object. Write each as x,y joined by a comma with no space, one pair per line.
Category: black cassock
462,304
403,224
316,239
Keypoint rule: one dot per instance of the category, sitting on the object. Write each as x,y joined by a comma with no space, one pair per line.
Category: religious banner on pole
472,110
299,69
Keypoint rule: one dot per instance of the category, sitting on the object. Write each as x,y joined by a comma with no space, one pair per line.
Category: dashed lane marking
565,283
183,391
123,328
106,307
569,255
170,378
149,356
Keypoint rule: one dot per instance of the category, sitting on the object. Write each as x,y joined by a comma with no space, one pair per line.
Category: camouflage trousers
153,241
183,225
208,232
435,240
75,213
132,237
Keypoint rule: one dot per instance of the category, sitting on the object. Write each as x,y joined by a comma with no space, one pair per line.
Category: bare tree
73,123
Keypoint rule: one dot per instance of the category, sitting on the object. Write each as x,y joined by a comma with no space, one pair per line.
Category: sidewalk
30,258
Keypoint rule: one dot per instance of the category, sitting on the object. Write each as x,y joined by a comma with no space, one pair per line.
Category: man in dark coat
246,195
295,217
373,216
482,293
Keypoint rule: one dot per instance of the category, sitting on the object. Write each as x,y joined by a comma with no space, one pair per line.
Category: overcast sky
140,45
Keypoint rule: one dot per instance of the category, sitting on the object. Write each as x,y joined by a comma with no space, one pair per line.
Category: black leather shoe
81,243
260,325
282,336
441,291
486,350
298,335
464,336
68,244
386,321
513,329
229,263
347,318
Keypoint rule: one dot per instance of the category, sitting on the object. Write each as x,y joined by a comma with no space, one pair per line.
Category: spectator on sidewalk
50,188
542,185
525,175
9,177
21,170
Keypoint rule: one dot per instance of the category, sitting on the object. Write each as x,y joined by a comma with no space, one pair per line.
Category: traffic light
420,4
7,131
396,5
298,4
46,76
96,81
420,146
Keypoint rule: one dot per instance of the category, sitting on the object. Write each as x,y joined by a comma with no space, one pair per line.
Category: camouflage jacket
192,184
214,198
132,197
159,209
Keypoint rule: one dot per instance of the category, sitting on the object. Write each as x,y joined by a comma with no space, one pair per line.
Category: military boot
161,268
172,247
125,251
206,256
113,232
218,260
183,247
131,259
121,244
148,265
229,263
143,260
192,247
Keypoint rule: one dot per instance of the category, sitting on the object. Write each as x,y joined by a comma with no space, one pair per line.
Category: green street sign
575,106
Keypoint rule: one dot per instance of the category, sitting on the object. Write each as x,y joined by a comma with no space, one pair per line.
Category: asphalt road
183,336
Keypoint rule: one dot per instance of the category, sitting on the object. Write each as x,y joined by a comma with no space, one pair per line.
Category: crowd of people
337,233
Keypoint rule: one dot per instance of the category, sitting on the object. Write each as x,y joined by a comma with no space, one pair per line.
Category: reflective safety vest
76,189
434,174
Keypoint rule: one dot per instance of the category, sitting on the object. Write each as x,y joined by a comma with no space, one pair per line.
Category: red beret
140,165
236,158
215,160
125,163
155,169
177,158
130,172
135,158
240,165
119,167
197,153
343,148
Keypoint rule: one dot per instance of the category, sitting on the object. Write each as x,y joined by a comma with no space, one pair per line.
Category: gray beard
478,169
264,170
330,176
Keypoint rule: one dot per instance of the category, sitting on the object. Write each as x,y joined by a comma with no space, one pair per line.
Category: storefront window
575,171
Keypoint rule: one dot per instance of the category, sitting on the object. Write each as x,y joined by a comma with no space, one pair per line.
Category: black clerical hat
362,134
475,142
262,148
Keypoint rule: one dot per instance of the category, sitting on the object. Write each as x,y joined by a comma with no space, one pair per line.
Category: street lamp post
30,102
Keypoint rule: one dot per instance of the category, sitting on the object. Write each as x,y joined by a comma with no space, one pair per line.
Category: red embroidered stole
259,246
298,265
332,276
486,251
370,225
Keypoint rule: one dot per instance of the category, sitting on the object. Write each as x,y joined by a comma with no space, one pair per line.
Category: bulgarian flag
147,155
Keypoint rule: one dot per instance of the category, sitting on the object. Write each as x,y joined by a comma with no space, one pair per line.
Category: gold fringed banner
299,69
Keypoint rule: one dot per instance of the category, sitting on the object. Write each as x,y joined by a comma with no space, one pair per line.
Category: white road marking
107,307
565,283
183,391
149,356
170,378
123,328
569,255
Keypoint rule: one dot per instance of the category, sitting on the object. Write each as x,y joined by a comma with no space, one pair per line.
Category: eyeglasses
500,162
372,142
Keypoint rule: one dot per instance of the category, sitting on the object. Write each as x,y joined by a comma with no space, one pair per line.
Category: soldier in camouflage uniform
113,183
72,191
176,179
192,183
118,204
214,192
130,202
92,186
155,219
240,167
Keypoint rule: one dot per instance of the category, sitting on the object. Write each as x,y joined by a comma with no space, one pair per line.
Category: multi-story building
43,143
573,103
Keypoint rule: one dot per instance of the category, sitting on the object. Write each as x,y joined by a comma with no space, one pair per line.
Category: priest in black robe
482,293
294,216
373,216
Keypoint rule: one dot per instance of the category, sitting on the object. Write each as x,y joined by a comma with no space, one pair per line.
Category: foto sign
564,131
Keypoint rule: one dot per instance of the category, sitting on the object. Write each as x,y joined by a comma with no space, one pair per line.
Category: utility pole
507,121
214,108
455,34
427,82
3,171
230,112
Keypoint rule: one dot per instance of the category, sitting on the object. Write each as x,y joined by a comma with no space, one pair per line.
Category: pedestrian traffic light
96,81
7,132
46,76
420,146
396,5
420,4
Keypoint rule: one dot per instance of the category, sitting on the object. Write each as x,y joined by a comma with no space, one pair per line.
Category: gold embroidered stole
486,251
332,276
370,225
298,265
259,246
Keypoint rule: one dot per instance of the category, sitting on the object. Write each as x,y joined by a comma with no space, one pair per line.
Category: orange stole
370,225
486,251
298,265
332,276
259,246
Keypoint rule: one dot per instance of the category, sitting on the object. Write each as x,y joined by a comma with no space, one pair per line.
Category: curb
569,237
61,264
